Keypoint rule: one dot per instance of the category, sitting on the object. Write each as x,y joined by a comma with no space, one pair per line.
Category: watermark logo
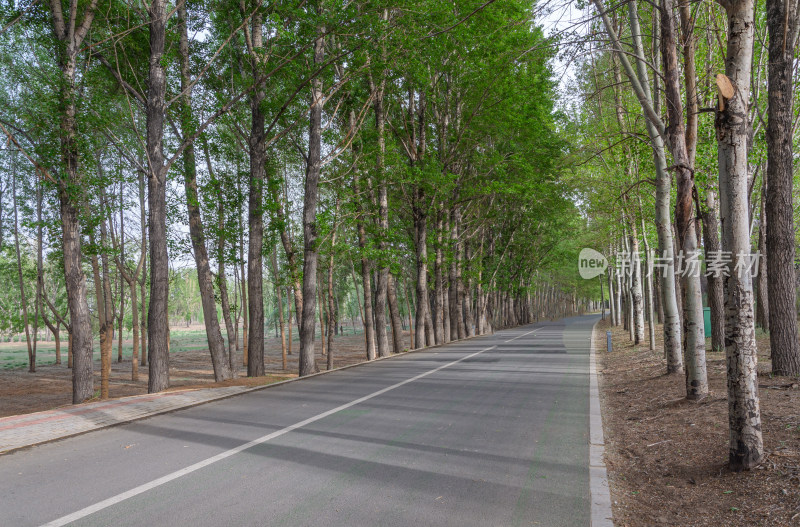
719,264
591,263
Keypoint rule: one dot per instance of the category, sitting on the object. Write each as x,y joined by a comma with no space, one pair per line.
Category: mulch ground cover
667,457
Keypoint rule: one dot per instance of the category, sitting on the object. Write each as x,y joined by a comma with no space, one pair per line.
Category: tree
783,25
744,416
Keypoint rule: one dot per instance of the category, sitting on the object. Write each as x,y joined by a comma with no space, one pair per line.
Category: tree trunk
367,319
382,283
121,314
70,37
672,323
157,326
456,286
39,273
279,295
381,335
744,416
421,248
243,311
468,314
440,333
289,308
410,322
694,332
636,284
331,306
716,295
321,312
142,281
222,284
255,209
21,282
205,279
308,362
648,266
107,311
394,314
762,295
135,328
611,301
781,246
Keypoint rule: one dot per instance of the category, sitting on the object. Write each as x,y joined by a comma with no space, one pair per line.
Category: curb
222,396
601,515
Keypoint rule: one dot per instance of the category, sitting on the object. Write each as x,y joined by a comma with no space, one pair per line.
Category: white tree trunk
744,416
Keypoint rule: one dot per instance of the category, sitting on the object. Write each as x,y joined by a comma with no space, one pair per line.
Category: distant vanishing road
490,431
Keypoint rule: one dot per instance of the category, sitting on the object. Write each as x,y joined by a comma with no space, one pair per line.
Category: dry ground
51,386
667,457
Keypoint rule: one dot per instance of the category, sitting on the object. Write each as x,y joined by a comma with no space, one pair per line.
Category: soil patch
667,457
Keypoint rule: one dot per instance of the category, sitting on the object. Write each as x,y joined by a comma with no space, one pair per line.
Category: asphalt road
490,431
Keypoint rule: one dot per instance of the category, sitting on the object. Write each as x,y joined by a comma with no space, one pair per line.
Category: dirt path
51,386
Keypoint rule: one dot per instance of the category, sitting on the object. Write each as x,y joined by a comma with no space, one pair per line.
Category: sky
563,18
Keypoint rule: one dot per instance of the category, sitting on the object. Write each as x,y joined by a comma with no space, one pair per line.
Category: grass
14,355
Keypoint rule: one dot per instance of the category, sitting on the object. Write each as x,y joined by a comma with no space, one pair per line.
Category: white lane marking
518,336
91,509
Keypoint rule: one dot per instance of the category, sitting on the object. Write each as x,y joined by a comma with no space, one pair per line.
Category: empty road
489,431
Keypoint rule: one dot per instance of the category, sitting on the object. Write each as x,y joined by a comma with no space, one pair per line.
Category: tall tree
155,107
205,279
69,38
744,415
783,26
685,219
308,363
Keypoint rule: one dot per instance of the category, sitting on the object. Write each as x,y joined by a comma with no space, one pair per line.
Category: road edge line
600,495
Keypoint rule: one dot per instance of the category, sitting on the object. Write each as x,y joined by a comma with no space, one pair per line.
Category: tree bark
39,273
441,333
382,283
255,208
694,333
762,295
744,416
205,279
21,282
782,24
107,310
648,266
279,295
142,279
157,325
394,314
308,362
672,324
637,299
69,187
716,295
331,306
222,283
421,249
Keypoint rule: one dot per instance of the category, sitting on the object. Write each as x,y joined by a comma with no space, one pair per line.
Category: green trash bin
707,321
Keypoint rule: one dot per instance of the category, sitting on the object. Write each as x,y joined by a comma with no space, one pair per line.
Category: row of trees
407,151
700,95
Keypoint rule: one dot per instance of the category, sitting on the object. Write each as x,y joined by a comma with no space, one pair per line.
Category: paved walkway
20,431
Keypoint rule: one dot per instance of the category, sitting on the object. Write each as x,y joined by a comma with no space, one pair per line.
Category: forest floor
667,457
190,367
